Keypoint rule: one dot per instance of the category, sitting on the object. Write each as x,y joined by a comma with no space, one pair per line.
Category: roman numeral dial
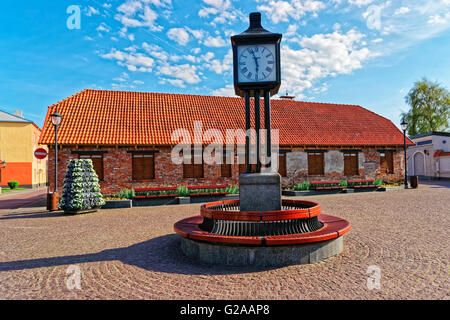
256,63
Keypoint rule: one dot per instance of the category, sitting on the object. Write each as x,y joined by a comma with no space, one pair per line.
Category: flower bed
328,185
184,191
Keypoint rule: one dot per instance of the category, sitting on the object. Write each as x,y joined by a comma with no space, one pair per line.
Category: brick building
128,137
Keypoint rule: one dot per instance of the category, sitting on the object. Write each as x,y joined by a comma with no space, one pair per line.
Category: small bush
303,186
378,182
343,183
183,191
13,184
125,194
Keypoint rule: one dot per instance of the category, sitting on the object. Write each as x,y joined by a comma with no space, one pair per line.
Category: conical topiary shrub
81,189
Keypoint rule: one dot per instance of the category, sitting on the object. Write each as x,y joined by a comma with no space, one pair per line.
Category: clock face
256,63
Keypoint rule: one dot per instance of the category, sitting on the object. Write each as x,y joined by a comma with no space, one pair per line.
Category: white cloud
185,72
221,10
197,34
146,17
219,66
439,19
321,56
155,51
159,3
227,91
90,11
214,42
130,7
123,77
178,35
175,82
360,3
282,11
291,31
132,61
401,10
103,27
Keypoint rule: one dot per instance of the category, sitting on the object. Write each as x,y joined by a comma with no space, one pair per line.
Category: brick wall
297,166
117,170
117,164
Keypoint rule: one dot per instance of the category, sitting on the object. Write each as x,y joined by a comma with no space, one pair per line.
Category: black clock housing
256,35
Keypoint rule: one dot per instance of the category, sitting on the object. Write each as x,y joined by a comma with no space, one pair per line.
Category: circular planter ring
229,210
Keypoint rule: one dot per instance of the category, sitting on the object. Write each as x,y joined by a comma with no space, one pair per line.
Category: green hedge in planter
81,189
302,186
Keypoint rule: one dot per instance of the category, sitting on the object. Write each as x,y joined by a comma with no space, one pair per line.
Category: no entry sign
40,153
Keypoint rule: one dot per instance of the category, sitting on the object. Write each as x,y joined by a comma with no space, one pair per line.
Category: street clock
256,59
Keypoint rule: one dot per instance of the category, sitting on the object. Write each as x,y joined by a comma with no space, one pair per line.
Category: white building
430,157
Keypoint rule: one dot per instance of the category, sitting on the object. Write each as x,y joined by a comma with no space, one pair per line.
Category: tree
430,108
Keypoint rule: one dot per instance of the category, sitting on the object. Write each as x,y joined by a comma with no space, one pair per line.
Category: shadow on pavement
435,183
11,204
31,215
160,254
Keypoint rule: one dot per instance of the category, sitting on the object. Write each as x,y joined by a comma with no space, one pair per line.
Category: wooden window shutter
198,170
138,167
390,162
315,164
193,170
97,161
282,164
387,162
188,170
351,164
149,167
225,168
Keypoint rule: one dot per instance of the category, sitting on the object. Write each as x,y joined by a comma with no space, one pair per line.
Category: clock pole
268,137
247,130
257,129
256,71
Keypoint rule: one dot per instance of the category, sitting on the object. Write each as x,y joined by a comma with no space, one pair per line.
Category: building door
419,164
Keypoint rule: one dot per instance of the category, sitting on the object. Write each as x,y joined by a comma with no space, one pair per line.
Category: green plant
126,194
13,184
232,189
378,182
183,191
343,183
303,186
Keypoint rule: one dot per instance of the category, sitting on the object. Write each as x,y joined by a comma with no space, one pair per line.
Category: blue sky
366,52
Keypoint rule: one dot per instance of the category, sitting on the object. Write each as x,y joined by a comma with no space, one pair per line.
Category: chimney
287,97
18,113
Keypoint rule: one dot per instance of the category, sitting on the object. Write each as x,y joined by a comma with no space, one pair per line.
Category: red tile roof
97,117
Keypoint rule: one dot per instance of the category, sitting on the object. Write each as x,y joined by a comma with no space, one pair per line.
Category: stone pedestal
260,191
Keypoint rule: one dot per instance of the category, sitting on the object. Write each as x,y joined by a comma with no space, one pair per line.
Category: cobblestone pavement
134,254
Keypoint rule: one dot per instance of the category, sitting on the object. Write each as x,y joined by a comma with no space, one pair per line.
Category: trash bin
52,201
414,181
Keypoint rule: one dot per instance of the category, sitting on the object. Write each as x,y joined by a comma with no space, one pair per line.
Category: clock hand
254,58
